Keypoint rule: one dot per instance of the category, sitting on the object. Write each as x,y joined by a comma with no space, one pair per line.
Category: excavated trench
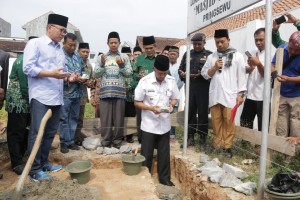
110,182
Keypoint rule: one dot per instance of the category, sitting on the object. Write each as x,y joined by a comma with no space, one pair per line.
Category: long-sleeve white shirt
225,85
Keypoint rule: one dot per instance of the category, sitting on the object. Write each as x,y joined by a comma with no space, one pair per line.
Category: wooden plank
276,93
275,100
275,142
177,119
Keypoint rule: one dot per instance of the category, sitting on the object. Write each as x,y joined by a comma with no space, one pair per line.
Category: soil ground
107,177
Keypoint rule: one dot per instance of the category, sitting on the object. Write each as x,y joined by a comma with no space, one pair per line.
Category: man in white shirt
254,102
226,69
174,66
156,95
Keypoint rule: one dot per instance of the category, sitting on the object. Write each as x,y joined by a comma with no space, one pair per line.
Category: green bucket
132,163
80,170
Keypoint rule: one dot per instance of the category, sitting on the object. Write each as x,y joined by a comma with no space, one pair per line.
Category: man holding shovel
43,64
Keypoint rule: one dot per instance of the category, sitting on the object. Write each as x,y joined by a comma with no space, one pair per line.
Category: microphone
220,58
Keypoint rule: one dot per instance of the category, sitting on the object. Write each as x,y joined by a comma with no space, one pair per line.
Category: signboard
202,13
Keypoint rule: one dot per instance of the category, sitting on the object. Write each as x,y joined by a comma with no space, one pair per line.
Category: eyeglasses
62,30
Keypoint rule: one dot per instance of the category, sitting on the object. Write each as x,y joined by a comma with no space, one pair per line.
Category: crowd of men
144,85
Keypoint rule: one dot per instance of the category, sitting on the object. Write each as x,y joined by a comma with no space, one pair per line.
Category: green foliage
89,111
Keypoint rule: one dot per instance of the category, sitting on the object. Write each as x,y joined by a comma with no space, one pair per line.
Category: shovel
36,146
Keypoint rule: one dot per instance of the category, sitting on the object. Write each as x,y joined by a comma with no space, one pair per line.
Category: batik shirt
73,63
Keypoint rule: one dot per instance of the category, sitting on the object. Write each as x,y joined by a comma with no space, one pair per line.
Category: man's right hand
59,74
218,64
291,18
103,59
155,109
141,75
181,74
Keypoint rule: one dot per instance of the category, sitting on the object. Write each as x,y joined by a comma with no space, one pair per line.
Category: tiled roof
242,19
161,42
12,45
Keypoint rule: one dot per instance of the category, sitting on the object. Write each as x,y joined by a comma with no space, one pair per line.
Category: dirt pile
55,189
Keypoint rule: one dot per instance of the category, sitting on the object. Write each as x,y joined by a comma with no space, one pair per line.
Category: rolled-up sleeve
206,67
139,92
30,67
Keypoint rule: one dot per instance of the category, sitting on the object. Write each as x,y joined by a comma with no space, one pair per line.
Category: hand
282,78
73,77
171,108
182,73
198,74
155,110
291,18
293,140
89,83
120,62
254,60
58,73
239,100
103,59
275,27
218,64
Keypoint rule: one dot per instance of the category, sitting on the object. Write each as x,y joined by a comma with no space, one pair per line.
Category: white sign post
202,13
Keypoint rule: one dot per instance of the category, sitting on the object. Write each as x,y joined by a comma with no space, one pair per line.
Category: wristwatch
242,94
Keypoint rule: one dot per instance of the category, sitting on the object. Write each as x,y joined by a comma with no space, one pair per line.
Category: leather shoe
130,140
18,169
167,183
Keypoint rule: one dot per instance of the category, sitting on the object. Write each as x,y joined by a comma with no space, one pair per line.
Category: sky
96,18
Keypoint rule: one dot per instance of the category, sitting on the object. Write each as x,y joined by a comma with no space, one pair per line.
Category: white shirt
174,72
224,86
152,93
255,86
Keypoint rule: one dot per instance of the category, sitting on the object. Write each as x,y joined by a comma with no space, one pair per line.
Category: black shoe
1,176
64,148
117,146
130,140
167,183
73,147
190,142
18,169
228,153
78,143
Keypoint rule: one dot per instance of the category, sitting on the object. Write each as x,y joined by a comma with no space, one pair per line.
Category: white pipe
266,102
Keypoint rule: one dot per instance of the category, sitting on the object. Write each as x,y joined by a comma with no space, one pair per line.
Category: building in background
5,28
37,27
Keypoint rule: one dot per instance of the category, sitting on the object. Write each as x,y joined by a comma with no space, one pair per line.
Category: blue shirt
43,54
73,63
289,89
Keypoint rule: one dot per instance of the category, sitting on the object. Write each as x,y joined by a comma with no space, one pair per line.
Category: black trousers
17,136
162,142
250,110
198,104
129,112
138,123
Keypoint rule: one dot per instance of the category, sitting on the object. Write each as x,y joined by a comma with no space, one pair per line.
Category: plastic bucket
132,164
80,170
280,196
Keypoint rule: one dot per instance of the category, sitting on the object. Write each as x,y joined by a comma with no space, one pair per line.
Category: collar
109,53
153,78
145,56
48,41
